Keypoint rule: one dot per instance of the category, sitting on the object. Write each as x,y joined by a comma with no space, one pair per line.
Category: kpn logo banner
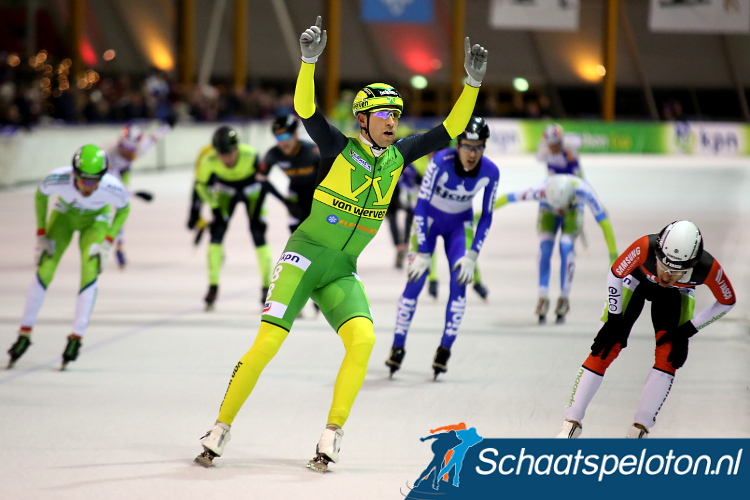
463,464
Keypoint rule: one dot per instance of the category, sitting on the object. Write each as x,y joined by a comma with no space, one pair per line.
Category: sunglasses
283,137
89,182
472,149
386,113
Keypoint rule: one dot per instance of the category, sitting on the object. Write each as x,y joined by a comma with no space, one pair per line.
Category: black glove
612,332
171,119
679,337
193,218
145,195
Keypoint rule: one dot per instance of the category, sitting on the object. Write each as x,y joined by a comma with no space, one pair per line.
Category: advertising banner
700,16
397,11
551,15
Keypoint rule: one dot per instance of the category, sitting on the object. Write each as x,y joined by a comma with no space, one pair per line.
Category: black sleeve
417,146
329,139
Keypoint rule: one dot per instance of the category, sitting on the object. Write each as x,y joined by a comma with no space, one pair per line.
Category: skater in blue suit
444,208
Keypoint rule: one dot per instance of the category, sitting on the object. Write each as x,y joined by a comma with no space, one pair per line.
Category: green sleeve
460,115
202,189
126,178
304,92
501,201
41,210
609,237
118,221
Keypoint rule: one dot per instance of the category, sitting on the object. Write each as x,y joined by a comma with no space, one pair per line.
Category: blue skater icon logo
332,219
449,446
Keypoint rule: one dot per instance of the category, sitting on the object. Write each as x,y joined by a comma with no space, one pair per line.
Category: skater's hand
419,263
312,41
684,331
101,251
43,245
465,267
611,333
475,63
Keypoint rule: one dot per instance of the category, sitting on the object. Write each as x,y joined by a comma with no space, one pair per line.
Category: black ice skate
432,288
213,292
541,309
481,290
18,348
263,295
440,364
71,350
394,360
563,306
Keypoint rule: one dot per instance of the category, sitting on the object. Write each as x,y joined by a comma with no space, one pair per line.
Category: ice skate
213,444
637,431
481,290
400,256
440,364
263,295
327,450
120,255
563,306
432,288
570,430
213,292
541,309
18,348
394,360
71,350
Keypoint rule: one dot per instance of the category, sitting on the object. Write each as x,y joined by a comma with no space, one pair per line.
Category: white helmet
679,245
560,191
553,134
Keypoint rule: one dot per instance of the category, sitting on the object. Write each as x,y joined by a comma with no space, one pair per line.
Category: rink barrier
26,156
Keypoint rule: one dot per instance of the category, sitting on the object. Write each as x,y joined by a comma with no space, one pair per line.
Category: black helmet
287,123
225,140
476,130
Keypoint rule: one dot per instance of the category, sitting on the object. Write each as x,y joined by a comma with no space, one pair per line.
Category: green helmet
90,163
376,96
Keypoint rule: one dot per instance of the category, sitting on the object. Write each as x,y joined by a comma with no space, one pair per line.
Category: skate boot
120,254
432,288
18,348
637,431
541,309
213,444
213,292
481,290
263,295
327,450
440,364
570,430
394,360
400,255
563,306
71,350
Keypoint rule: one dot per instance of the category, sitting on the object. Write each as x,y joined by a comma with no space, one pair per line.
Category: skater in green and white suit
358,176
86,194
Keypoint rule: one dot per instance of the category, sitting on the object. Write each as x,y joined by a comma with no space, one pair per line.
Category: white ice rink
124,421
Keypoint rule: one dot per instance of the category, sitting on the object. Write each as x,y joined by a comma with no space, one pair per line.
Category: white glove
101,250
475,63
419,263
43,245
312,41
466,266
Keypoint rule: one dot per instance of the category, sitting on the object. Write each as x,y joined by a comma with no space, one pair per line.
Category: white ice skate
327,450
637,431
570,430
541,309
213,443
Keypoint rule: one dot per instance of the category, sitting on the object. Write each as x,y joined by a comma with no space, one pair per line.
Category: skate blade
209,307
63,366
11,364
542,320
206,459
318,464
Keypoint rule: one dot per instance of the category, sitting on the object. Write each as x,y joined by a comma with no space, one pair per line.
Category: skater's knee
358,336
269,340
598,365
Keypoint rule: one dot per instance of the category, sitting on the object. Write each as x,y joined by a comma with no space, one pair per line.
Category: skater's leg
358,336
248,369
90,238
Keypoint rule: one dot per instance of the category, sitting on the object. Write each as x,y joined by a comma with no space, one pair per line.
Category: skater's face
127,152
667,277
286,141
382,126
470,153
555,147
86,187
229,159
